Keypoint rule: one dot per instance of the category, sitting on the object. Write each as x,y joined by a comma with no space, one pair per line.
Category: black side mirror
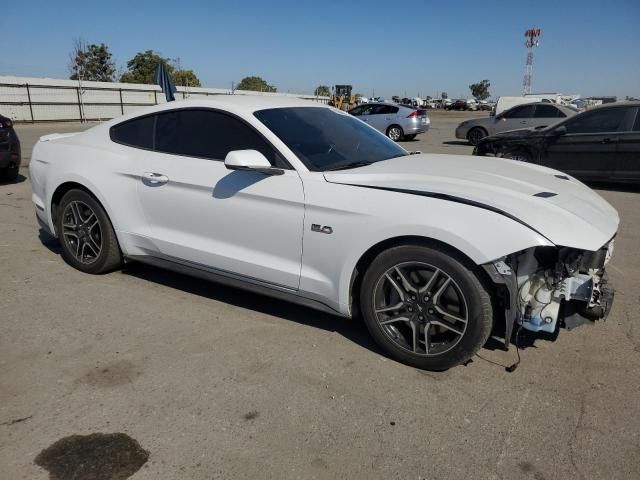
561,130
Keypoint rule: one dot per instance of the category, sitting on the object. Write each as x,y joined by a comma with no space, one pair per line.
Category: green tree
91,62
322,91
256,84
480,91
142,68
186,78
395,99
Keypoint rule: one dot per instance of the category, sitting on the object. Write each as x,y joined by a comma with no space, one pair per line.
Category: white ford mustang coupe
300,201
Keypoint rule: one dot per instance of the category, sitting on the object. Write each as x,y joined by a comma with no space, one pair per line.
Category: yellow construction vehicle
341,97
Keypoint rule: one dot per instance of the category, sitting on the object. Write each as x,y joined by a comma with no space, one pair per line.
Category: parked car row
601,144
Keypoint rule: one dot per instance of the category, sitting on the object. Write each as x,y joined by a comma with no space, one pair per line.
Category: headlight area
547,287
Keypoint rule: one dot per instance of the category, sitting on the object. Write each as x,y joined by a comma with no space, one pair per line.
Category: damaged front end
547,287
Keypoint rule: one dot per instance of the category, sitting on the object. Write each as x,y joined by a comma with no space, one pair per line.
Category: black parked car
10,156
601,144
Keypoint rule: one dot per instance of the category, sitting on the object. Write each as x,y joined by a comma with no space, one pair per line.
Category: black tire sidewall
475,129
478,325
109,242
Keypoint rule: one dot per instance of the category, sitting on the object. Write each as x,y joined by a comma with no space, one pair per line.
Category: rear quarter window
134,133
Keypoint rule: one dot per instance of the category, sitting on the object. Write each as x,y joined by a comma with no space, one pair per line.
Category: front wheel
89,243
395,133
518,155
426,307
475,135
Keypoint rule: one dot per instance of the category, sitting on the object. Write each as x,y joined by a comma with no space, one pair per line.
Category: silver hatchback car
398,122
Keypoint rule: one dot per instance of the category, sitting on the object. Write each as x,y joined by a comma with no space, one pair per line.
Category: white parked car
300,201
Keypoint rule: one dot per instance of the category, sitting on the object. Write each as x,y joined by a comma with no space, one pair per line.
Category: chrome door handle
154,179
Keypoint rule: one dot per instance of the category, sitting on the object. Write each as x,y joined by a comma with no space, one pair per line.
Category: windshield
325,139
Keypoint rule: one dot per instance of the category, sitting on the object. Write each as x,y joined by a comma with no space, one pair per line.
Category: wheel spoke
90,245
436,296
405,282
415,331
447,326
446,314
390,308
75,210
396,286
427,288
400,318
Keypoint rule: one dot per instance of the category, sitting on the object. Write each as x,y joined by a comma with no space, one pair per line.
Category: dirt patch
112,374
98,456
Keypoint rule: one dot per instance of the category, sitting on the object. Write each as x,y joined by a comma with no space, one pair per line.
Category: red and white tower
532,36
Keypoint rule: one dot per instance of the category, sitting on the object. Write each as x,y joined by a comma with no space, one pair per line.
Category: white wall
41,99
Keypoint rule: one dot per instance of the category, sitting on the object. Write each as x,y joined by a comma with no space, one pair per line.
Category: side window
356,112
547,111
391,109
525,111
135,133
607,120
207,134
636,125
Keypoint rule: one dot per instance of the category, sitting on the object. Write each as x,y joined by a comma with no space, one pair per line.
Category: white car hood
575,217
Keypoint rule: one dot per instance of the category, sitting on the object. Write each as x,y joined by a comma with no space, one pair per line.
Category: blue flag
165,81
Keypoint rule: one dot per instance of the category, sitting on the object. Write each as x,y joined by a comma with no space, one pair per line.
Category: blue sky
588,47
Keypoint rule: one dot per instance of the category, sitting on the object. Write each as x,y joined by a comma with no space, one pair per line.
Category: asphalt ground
212,382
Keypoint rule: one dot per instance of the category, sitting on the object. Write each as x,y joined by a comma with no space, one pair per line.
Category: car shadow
234,182
19,179
456,142
352,329
49,241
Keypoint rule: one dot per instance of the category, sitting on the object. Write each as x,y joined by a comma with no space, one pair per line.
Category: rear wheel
395,133
475,135
426,307
85,232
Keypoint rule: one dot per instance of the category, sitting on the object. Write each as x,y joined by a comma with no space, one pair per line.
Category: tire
88,241
10,173
395,133
518,155
475,135
463,297
409,137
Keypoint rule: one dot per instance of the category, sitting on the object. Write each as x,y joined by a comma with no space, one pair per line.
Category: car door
236,222
515,118
588,147
382,116
627,162
546,115
365,113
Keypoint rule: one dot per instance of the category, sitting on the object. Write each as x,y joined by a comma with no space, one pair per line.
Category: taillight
6,123
417,113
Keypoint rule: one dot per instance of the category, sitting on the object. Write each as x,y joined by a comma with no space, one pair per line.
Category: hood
561,208
515,134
